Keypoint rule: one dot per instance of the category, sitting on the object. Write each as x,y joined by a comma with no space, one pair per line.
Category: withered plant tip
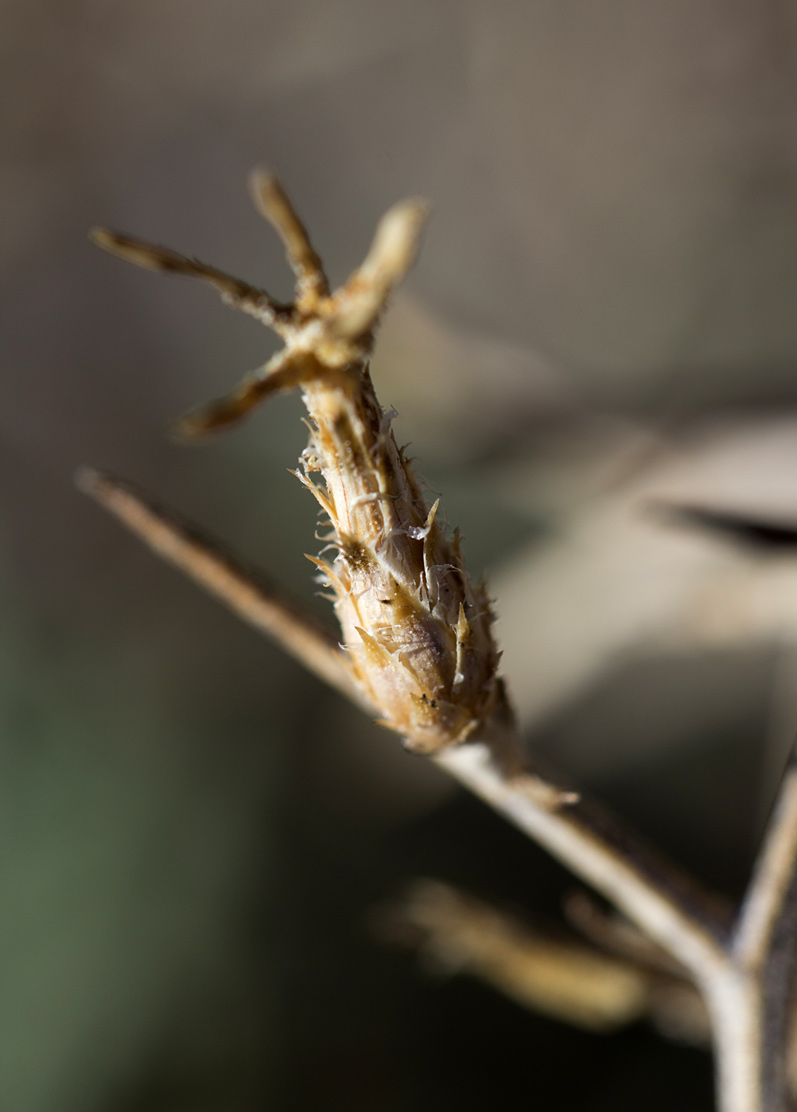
419,652
417,632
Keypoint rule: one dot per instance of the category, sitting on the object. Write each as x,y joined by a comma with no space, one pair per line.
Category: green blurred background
195,832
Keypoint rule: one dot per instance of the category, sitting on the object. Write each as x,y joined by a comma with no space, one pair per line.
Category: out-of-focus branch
563,979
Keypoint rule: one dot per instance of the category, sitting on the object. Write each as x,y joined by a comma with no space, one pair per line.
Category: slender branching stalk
418,655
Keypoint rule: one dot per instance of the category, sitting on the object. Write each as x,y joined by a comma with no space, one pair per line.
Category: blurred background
601,324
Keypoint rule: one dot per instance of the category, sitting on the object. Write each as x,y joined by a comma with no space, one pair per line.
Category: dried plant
419,656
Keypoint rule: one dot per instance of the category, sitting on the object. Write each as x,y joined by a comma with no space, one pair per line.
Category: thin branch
234,292
770,891
466,724
671,907
245,592
764,948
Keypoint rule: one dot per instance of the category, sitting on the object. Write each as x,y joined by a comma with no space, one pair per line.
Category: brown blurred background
195,832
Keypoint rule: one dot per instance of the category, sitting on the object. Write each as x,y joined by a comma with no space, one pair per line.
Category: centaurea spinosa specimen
419,655
416,632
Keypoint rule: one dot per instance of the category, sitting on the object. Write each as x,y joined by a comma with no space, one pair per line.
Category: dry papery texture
419,655
416,631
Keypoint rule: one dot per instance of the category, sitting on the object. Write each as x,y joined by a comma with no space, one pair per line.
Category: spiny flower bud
416,631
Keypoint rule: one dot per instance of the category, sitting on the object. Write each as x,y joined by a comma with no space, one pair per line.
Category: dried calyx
416,631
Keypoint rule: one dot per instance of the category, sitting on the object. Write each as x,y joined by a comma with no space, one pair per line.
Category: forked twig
419,649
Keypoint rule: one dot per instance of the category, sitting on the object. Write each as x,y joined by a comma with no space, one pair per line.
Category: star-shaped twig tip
321,330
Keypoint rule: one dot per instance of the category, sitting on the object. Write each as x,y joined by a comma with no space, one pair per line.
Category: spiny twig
418,642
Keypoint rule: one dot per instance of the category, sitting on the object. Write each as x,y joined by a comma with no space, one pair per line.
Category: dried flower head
420,654
416,630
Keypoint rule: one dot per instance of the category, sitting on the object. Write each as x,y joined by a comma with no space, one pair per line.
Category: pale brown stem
753,1011
745,977
769,894
668,906
234,292
245,592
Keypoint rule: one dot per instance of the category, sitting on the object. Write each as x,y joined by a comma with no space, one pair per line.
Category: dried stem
234,292
770,892
754,1012
244,591
419,648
